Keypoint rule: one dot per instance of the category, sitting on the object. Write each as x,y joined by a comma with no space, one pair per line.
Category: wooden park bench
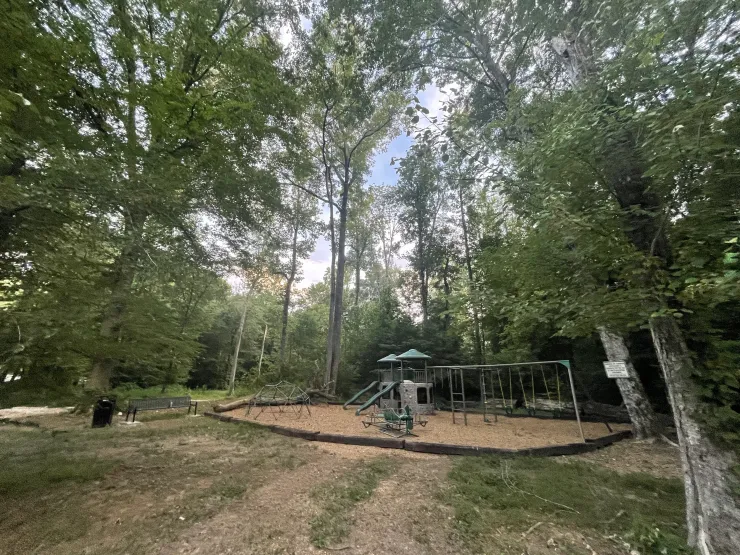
160,403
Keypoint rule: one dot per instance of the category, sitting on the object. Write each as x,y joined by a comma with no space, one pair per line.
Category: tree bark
225,407
332,277
339,287
237,346
645,423
712,513
124,272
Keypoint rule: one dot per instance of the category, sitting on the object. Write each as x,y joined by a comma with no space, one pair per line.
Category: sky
381,173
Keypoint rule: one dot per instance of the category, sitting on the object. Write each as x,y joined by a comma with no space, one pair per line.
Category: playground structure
399,387
282,397
535,389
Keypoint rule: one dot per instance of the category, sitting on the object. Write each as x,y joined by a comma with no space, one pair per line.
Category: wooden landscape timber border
436,448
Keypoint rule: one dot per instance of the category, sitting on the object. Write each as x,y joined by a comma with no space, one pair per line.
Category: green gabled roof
388,358
413,354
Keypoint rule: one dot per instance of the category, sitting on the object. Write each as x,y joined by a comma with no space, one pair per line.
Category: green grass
33,394
164,414
47,471
337,499
490,490
124,393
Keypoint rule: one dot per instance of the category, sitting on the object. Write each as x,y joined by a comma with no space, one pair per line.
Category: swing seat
531,411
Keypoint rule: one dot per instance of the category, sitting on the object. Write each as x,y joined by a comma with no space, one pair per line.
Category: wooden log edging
436,448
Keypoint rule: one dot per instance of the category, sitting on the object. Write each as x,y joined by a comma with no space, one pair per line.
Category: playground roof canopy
388,358
413,354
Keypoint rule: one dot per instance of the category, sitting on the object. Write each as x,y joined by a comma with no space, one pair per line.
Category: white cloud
313,272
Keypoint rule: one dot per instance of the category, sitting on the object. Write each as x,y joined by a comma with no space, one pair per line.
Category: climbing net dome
281,397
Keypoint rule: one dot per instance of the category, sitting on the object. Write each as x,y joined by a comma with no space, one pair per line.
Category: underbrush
636,509
129,391
338,498
17,394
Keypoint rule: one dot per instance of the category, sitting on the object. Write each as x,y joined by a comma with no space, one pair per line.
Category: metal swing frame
455,376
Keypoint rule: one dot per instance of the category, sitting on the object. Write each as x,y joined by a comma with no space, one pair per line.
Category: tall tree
301,228
360,232
649,199
421,196
357,112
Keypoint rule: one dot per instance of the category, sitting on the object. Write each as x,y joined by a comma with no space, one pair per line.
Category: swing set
518,385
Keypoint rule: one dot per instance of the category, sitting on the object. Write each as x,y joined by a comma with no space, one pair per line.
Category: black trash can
103,412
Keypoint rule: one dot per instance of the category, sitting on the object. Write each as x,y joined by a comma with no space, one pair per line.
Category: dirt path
406,513
271,519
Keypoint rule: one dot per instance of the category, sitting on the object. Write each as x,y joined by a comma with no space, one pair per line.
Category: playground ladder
455,377
488,395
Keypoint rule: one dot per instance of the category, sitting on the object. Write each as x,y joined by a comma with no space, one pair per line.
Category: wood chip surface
507,433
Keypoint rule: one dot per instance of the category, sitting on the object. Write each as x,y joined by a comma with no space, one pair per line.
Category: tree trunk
237,346
225,407
424,290
332,299
134,219
645,423
712,514
122,281
262,352
288,291
357,281
339,290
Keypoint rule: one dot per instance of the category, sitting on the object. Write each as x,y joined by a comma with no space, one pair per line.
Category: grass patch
489,490
337,499
168,414
125,392
227,489
47,471
59,485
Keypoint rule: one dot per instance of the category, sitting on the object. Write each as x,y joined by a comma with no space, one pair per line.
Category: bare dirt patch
507,433
24,412
657,459
405,514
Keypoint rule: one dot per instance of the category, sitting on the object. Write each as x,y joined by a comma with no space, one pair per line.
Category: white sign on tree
616,369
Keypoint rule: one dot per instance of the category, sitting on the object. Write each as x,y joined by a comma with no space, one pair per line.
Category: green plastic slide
359,394
375,397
